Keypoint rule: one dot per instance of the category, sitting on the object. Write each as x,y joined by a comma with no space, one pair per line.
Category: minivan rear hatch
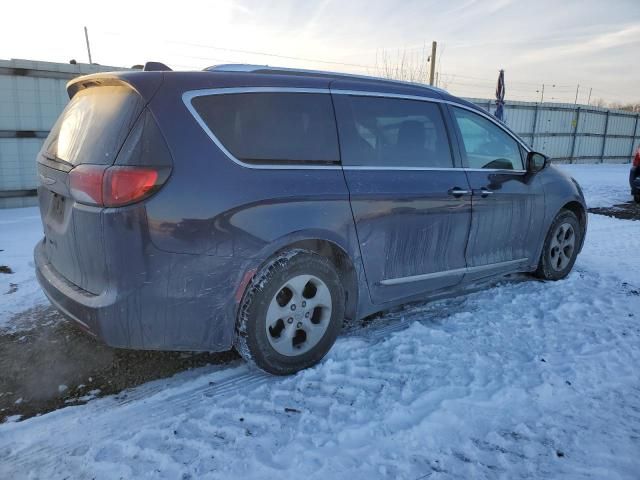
90,131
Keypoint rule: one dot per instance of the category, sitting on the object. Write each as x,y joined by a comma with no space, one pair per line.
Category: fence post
633,137
575,134
535,122
604,137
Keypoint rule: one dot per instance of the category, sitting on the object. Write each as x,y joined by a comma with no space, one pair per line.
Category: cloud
579,47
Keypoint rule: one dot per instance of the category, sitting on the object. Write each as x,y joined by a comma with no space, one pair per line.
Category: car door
411,204
507,201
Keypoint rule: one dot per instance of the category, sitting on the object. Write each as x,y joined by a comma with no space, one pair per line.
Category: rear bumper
179,305
78,305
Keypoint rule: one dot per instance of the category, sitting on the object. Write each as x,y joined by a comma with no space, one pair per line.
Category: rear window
93,126
273,127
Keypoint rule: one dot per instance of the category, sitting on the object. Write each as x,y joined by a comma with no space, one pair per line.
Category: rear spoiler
156,67
146,83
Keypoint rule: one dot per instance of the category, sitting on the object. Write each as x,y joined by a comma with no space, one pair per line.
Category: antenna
86,37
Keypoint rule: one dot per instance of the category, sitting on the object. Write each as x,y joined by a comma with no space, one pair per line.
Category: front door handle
458,192
484,192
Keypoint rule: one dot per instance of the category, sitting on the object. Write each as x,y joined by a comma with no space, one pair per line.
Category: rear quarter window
273,128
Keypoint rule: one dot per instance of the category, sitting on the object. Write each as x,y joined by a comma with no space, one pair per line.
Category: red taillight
85,183
114,186
636,159
123,185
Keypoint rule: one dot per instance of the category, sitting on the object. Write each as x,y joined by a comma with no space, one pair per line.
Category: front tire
291,313
561,246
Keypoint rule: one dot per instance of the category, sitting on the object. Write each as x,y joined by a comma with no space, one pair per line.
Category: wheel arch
579,211
343,263
339,251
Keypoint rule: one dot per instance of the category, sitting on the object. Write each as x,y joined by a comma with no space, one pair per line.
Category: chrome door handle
458,192
484,192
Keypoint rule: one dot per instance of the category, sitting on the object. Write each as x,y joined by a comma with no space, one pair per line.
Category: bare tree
404,65
445,79
630,107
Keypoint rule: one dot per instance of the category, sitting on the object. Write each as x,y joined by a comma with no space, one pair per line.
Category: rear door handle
458,192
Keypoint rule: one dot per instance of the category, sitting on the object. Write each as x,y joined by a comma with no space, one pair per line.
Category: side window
486,145
273,127
390,132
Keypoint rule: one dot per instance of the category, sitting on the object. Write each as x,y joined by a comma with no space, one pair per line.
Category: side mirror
536,162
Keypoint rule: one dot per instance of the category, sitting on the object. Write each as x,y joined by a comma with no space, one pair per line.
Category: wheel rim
563,244
298,315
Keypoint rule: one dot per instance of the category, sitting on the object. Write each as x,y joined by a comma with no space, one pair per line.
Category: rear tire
560,247
291,313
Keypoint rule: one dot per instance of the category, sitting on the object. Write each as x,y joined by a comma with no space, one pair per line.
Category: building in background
32,95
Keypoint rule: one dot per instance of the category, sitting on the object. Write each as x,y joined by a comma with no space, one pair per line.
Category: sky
589,47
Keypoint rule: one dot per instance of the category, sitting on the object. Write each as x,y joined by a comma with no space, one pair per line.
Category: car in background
259,207
634,177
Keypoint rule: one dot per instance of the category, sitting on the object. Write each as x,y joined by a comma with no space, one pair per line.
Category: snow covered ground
20,230
525,380
603,184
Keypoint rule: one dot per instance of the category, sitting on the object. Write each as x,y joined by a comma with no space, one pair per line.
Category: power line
515,85
266,54
314,60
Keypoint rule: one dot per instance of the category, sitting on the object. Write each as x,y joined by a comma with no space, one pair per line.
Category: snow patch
20,230
603,184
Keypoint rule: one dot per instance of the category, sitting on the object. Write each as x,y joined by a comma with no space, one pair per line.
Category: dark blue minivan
257,208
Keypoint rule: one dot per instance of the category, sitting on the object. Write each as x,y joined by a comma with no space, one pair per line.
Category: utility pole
433,62
542,96
577,90
589,101
86,37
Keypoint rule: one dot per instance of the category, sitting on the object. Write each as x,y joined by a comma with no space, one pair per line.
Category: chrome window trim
501,170
188,96
401,96
419,169
447,273
439,169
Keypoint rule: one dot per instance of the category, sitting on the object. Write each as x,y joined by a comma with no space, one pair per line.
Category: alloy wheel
561,249
298,315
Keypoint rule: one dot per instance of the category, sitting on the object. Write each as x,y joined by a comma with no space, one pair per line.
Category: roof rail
236,67
242,67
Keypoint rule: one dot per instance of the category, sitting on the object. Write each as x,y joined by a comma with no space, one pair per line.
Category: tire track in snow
135,415
17,449
242,379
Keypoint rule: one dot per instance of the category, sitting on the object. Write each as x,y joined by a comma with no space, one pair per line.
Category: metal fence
32,95
573,133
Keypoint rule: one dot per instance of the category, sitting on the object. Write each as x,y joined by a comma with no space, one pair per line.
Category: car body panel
409,226
505,222
560,190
